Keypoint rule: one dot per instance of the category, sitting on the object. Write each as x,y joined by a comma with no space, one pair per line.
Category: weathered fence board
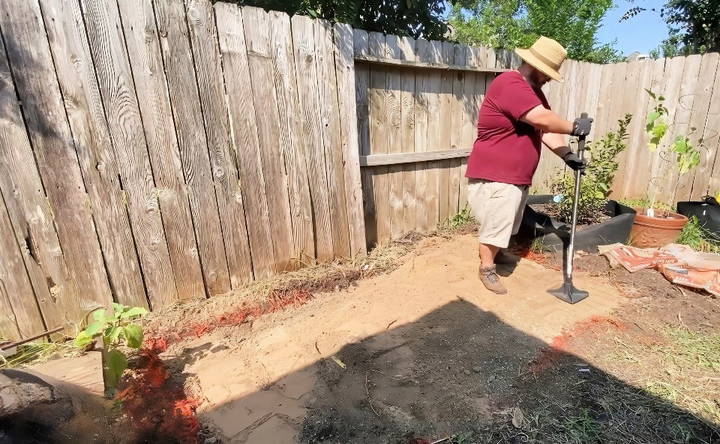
148,75
37,87
117,90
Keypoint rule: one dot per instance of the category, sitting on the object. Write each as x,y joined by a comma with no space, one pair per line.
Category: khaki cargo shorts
498,209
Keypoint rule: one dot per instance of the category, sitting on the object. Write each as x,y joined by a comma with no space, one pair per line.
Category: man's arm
547,121
557,144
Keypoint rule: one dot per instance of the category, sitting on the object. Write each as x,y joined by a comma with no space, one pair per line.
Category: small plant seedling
116,328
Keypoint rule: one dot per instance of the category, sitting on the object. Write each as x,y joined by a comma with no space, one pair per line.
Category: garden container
657,231
707,213
550,234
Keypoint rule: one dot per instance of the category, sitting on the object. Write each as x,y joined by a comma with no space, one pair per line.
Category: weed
537,245
583,428
115,329
645,203
462,219
697,237
35,352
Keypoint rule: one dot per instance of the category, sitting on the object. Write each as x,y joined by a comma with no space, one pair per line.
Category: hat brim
536,63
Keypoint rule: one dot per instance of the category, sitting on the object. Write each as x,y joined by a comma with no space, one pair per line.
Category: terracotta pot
662,229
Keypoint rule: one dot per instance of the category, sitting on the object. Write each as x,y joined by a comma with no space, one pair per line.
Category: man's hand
573,161
582,126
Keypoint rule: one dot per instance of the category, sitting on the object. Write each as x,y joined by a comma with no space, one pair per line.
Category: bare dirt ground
425,353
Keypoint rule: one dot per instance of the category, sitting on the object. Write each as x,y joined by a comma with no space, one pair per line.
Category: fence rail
154,151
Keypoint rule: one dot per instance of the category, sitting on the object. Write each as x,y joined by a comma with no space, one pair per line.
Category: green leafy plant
596,185
116,328
697,237
686,155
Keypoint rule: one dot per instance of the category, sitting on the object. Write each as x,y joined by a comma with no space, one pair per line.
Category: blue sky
640,33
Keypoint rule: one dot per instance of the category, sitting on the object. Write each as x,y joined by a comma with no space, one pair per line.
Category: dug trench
424,353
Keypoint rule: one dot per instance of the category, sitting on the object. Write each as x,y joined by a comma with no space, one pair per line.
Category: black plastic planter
552,234
707,213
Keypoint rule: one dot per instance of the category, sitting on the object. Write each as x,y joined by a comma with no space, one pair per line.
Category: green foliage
596,184
694,27
116,329
510,24
686,155
461,219
697,237
414,18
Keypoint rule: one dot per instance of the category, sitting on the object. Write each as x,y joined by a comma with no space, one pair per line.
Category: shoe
504,258
491,281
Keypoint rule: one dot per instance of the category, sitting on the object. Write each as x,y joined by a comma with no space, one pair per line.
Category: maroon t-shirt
507,150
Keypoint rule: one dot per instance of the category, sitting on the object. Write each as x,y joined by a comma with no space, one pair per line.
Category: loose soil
419,351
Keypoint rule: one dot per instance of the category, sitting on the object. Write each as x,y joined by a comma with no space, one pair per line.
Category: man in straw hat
515,121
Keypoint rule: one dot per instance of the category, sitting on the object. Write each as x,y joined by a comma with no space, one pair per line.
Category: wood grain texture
345,72
435,122
126,132
694,103
306,65
81,95
148,76
193,144
458,117
362,97
398,63
33,70
206,56
379,138
20,316
393,118
236,74
447,52
331,137
28,209
291,141
407,136
708,130
422,84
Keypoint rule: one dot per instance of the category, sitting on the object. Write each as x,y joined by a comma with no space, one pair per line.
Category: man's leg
487,254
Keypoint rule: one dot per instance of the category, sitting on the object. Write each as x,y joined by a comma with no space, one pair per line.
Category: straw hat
545,55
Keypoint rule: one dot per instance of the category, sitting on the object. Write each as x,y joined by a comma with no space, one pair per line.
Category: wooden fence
154,151
691,88
159,151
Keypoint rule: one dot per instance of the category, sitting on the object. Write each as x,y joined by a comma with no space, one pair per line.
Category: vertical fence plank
148,76
192,140
33,70
236,73
434,141
19,313
126,132
289,109
445,130
86,115
345,71
361,47
407,135
257,36
393,116
379,129
422,172
694,101
457,125
27,207
631,160
330,118
304,42
708,125
206,55
637,182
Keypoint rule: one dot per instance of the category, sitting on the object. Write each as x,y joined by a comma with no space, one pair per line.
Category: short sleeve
517,98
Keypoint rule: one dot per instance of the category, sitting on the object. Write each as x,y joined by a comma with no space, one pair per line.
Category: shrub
596,183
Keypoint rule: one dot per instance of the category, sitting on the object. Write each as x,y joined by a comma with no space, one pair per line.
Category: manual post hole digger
567,291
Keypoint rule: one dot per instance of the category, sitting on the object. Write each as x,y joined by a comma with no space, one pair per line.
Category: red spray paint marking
560,345
160,410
